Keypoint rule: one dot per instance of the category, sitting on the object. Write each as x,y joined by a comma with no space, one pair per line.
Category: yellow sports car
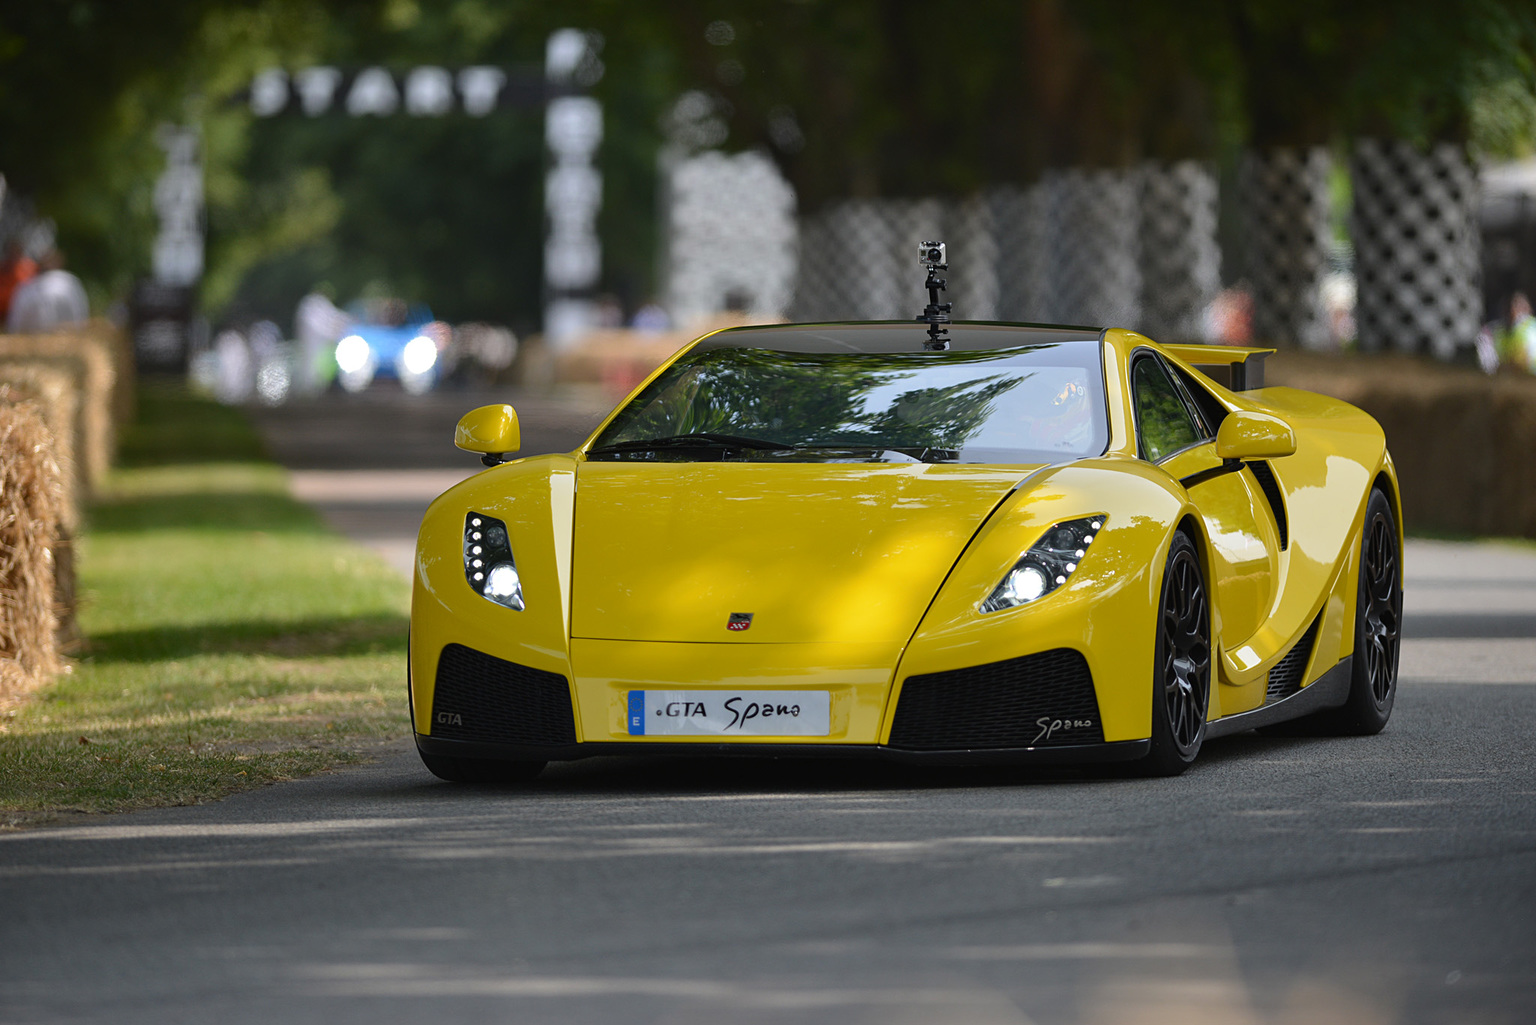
1039,544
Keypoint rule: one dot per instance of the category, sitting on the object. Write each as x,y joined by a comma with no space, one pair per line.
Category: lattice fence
1287,229
1180,257
1417,247
1132,248
730,235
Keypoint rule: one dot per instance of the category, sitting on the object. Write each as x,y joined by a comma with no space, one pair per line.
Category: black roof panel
892,336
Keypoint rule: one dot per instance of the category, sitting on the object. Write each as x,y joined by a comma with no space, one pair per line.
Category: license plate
748,713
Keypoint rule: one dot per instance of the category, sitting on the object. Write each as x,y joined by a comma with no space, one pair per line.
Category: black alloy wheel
1181,692
1378,623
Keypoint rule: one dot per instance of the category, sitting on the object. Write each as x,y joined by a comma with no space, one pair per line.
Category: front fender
535,498
1107,609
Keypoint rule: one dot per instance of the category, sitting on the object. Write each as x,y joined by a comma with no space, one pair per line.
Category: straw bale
56,393
31,503
620,358
1461,440
94,361
118,347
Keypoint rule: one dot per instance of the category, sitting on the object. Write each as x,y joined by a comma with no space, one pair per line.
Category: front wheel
480,770
1181,679
1378,624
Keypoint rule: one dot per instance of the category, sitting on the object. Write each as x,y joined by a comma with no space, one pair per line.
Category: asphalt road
1378,880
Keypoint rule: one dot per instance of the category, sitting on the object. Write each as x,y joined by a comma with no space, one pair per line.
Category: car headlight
488,564
1047,564
420,354
351,354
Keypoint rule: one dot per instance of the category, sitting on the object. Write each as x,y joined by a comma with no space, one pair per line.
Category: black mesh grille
1271,488
481,697
1285,677
1044,700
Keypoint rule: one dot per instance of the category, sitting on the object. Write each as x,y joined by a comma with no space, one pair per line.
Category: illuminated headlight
488,564
351,354
420,354
1047,564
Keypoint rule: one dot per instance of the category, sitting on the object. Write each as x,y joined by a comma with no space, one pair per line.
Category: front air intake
483,698
1044,700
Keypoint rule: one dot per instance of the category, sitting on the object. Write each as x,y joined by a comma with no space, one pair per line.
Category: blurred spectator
1229,317
609,313
479,353
1522,332
236,377
651,318
318,325
1487,348
51,299
1339,306
16,268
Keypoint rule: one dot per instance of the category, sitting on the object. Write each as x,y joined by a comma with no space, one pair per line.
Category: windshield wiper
703,439
919,453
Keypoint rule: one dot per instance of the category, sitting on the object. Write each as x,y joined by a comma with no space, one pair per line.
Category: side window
1204,403
1163,423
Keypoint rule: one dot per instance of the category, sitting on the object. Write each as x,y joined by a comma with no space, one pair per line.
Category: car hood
813,552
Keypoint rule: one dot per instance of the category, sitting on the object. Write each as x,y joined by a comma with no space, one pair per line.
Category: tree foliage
851,97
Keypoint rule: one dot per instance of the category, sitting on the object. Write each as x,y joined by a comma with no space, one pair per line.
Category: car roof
892,336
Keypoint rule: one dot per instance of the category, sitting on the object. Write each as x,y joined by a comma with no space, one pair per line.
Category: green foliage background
851,97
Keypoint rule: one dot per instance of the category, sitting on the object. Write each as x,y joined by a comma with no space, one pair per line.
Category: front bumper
485,707
1077,754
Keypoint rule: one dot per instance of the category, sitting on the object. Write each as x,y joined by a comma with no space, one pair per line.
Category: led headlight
1047,564
488,564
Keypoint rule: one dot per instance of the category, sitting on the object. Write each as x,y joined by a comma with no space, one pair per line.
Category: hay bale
1461,440
55,392
620,358
31,512
92,359
118,346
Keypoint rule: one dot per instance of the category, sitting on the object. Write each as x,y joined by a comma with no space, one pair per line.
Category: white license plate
748,713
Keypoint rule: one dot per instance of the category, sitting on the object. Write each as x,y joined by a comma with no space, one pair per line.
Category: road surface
1389,879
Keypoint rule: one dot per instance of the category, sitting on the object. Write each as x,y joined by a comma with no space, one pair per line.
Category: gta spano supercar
1038,544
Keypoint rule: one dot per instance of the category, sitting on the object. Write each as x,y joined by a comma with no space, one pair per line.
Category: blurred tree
83,86
851,97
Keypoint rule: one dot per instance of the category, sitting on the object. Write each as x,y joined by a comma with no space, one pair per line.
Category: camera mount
934,258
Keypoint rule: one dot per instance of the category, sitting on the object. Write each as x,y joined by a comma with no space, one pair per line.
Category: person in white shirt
51,299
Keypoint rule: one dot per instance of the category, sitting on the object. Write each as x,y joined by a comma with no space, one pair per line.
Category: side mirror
1248,435
491,431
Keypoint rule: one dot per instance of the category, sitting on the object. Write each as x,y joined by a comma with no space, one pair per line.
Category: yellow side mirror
491,431
1249,435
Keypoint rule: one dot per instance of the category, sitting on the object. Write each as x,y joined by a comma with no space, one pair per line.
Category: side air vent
1044,700
1285,677
1271,487
484,698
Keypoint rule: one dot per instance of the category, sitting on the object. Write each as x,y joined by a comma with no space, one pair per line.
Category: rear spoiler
1238,367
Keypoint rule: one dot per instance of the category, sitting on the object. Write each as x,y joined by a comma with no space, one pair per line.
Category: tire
1378,625
1181,676
480,770
1378,637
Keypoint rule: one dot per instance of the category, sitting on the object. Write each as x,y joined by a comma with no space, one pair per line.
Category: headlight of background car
488,564
352,354
420,354
1047,564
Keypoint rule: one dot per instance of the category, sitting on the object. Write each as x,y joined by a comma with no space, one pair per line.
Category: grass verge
232,639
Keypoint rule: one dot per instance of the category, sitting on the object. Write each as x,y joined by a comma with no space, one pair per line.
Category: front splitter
1075,754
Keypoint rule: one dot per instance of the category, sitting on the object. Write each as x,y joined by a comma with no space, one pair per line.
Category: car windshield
1039,403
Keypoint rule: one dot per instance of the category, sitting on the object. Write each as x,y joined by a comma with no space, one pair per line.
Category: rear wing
1237,367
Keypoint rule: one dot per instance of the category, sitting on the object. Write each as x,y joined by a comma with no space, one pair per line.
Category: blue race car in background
387,339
